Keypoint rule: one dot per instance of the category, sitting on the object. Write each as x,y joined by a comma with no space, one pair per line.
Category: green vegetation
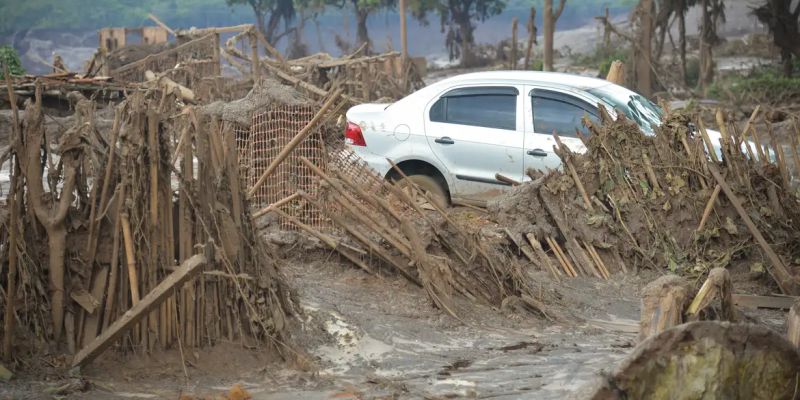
9,57
767,85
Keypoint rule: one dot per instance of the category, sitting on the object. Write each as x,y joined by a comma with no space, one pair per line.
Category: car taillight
353,135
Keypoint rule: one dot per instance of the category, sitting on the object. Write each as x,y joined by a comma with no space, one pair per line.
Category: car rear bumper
375,161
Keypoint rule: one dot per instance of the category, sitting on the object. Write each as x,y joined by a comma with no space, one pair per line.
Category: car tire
430,186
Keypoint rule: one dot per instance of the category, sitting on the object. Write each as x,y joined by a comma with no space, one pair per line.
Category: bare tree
549,24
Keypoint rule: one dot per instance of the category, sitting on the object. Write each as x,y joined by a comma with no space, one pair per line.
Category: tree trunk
548,24
467,40
272,27
644,83
57,243
786,57
362,35
706,56
682,39
260,23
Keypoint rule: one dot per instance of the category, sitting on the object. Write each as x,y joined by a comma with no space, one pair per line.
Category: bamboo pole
709,207
132,279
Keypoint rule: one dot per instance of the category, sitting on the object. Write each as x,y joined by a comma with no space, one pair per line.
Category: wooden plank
783,278
186,271
776,302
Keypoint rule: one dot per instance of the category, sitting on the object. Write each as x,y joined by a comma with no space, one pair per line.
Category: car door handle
537,153
444,140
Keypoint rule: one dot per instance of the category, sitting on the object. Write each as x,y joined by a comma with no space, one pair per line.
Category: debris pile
387,221
669,201
138,235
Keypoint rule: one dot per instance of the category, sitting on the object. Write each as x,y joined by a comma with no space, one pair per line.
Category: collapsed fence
93,249
657,202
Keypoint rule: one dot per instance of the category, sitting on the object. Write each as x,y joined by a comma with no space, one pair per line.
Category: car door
476,132
550,110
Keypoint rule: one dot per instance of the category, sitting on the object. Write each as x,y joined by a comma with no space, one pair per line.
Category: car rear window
493,107
562,113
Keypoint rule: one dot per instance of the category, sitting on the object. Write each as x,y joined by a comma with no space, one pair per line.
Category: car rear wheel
430,186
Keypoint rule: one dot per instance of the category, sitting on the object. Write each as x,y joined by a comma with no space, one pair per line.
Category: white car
454,136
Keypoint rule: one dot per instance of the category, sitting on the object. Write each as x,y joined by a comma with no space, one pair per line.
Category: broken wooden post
663,301
707,360
616,73
183,273
717,284
786,282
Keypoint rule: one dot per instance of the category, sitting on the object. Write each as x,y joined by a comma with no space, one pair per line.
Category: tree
549,24
362,9
671,10
643,48
713,12
457,18
782,22
10,57
276,10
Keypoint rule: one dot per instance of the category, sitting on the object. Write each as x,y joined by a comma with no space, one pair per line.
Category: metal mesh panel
269,134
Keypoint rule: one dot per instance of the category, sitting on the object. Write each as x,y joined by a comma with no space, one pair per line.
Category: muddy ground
369,337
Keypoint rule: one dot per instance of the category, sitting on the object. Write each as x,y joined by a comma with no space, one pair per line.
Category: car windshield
635,106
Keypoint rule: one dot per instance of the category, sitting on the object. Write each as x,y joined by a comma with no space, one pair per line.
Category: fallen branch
186,271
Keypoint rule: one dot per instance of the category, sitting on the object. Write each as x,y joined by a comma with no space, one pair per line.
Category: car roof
552,78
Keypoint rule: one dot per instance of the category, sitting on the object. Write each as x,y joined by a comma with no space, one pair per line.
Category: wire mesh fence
270,132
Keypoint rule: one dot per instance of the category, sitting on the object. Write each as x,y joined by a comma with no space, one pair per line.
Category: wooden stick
296,140
651,174
537,248
11,289
187,270
161,24
506,180
112,285
560,257
365,216
275,206
709,206
134,282
780,156
328,240
597,260
568,160
93,223
707,140
786,282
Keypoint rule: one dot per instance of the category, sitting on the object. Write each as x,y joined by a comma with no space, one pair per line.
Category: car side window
487,107
559,112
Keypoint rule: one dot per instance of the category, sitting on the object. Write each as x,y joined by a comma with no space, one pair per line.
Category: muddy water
382,338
